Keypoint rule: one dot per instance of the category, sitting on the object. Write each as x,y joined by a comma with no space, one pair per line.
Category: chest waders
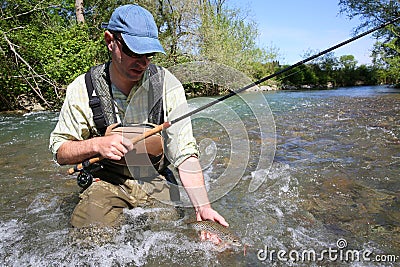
147,154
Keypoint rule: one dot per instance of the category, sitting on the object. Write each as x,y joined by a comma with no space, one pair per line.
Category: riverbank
26,103
23,104
306,87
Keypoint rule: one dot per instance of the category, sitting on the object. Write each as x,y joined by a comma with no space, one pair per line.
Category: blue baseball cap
137,28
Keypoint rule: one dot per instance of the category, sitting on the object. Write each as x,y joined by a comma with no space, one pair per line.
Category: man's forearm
192,179
112,147
73,152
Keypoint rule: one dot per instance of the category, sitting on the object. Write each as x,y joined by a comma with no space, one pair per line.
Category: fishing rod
165,125
232,93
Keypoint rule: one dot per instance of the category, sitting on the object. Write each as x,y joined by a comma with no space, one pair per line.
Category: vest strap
101,101
95,105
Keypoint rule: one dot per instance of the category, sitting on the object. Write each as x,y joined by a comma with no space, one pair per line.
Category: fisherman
131,37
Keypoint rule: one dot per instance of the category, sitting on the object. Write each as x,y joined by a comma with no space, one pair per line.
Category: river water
330,167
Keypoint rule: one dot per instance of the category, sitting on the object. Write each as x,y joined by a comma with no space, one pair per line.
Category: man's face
130,64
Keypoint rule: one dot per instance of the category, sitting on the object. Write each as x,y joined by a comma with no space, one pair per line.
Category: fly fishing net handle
134,141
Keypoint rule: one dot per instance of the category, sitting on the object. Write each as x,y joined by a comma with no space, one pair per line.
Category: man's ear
108,37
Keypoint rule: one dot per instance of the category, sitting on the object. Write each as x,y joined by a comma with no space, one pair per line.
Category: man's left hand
207,213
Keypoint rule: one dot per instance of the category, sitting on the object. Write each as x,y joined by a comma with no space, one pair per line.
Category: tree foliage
46,44
43,50
372,13
330,71
227,38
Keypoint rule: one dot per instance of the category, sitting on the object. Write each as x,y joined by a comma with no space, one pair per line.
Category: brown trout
215,228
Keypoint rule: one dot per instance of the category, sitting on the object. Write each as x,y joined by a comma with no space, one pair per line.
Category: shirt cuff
184,156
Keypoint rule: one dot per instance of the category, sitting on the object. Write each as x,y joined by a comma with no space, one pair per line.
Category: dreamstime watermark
338,254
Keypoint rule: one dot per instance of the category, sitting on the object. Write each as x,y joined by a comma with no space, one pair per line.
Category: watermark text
339,253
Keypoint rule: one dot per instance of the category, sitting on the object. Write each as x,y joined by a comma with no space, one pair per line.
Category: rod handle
134,141
86,163
150,132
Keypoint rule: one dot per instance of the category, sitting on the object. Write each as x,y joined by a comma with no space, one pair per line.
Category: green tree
366,75
347,62
46,44
347,66
226,37
20,21
294,77
178,22
373,13
393,60
324,67
43,50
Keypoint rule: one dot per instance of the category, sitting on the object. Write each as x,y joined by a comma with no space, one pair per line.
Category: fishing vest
98,81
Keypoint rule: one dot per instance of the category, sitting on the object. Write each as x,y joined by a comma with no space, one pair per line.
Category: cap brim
143,45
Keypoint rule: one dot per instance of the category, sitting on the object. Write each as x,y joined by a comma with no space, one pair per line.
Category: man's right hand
113,146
